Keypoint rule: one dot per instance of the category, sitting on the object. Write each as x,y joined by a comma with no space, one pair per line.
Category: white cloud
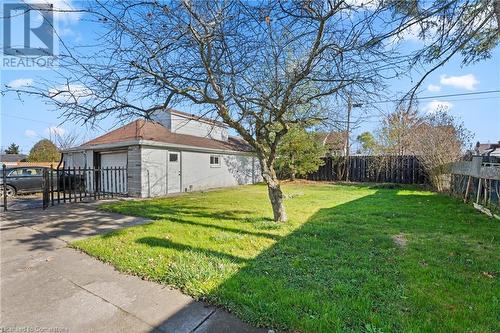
417,33
436,105
366,4
411,33
54,130
433,88
30,133
467,82
64,11
19,83
71,93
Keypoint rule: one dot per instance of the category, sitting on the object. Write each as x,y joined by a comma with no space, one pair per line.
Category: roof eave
156,144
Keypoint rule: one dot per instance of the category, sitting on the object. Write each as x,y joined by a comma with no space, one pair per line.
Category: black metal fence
390,169
67,184
79,184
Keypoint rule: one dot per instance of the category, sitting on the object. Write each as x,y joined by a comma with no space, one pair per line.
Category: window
25,172
173,157
16,173
214,161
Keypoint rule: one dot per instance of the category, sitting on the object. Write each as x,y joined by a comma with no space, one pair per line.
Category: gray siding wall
134,172
154,172
78,159
202,129
198,174
148,170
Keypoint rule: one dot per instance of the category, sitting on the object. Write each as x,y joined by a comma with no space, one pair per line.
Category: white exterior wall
153,172
198,174
183,125
82,159
148,170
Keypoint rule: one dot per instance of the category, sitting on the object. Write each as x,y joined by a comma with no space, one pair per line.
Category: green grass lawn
334,267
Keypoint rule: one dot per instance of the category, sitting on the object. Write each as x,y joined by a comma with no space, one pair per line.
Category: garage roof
142,129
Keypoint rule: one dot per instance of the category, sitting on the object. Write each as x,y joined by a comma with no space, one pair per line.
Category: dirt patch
400,240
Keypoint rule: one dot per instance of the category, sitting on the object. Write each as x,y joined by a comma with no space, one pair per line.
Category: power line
440,96
3,114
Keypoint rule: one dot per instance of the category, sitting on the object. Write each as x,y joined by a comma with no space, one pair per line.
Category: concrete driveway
46,286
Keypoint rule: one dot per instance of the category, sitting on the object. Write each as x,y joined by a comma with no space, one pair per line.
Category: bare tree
65,140
439,140
395,136
469,29
253,65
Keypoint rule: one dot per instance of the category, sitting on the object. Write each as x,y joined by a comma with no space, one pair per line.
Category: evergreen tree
299,153
12,149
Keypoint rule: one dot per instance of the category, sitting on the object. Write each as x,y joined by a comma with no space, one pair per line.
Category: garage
113,159
108,161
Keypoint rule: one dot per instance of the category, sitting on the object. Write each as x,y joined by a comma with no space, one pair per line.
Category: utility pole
349,110
350,105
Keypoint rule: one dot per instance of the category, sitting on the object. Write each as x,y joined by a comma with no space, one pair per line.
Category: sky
25,119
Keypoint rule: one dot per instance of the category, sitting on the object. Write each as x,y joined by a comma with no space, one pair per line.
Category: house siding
147,173
82,159
134,172
198,174
183,125
154,172
193,127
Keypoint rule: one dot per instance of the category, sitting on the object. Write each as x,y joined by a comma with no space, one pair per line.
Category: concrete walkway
46,285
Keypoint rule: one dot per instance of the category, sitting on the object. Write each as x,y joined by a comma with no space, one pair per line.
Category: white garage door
113,180
112,160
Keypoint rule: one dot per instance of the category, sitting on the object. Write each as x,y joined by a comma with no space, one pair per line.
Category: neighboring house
12,159
334,142
174,152
487,149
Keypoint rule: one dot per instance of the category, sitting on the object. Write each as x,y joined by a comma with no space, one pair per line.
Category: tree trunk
276,197
292,175
274,191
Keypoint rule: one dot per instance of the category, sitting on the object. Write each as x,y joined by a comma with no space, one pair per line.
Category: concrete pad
45,284
23,242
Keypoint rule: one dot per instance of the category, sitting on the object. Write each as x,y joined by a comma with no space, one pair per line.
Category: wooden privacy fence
390,169
477,181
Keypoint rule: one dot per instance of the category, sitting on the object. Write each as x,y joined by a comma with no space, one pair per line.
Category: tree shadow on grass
342,271
167,244
164,209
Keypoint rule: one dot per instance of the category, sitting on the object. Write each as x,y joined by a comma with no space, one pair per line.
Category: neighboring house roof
486,148
332,140
12,157
142,129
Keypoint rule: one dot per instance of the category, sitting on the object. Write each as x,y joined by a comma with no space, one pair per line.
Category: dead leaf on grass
490,275
400,240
